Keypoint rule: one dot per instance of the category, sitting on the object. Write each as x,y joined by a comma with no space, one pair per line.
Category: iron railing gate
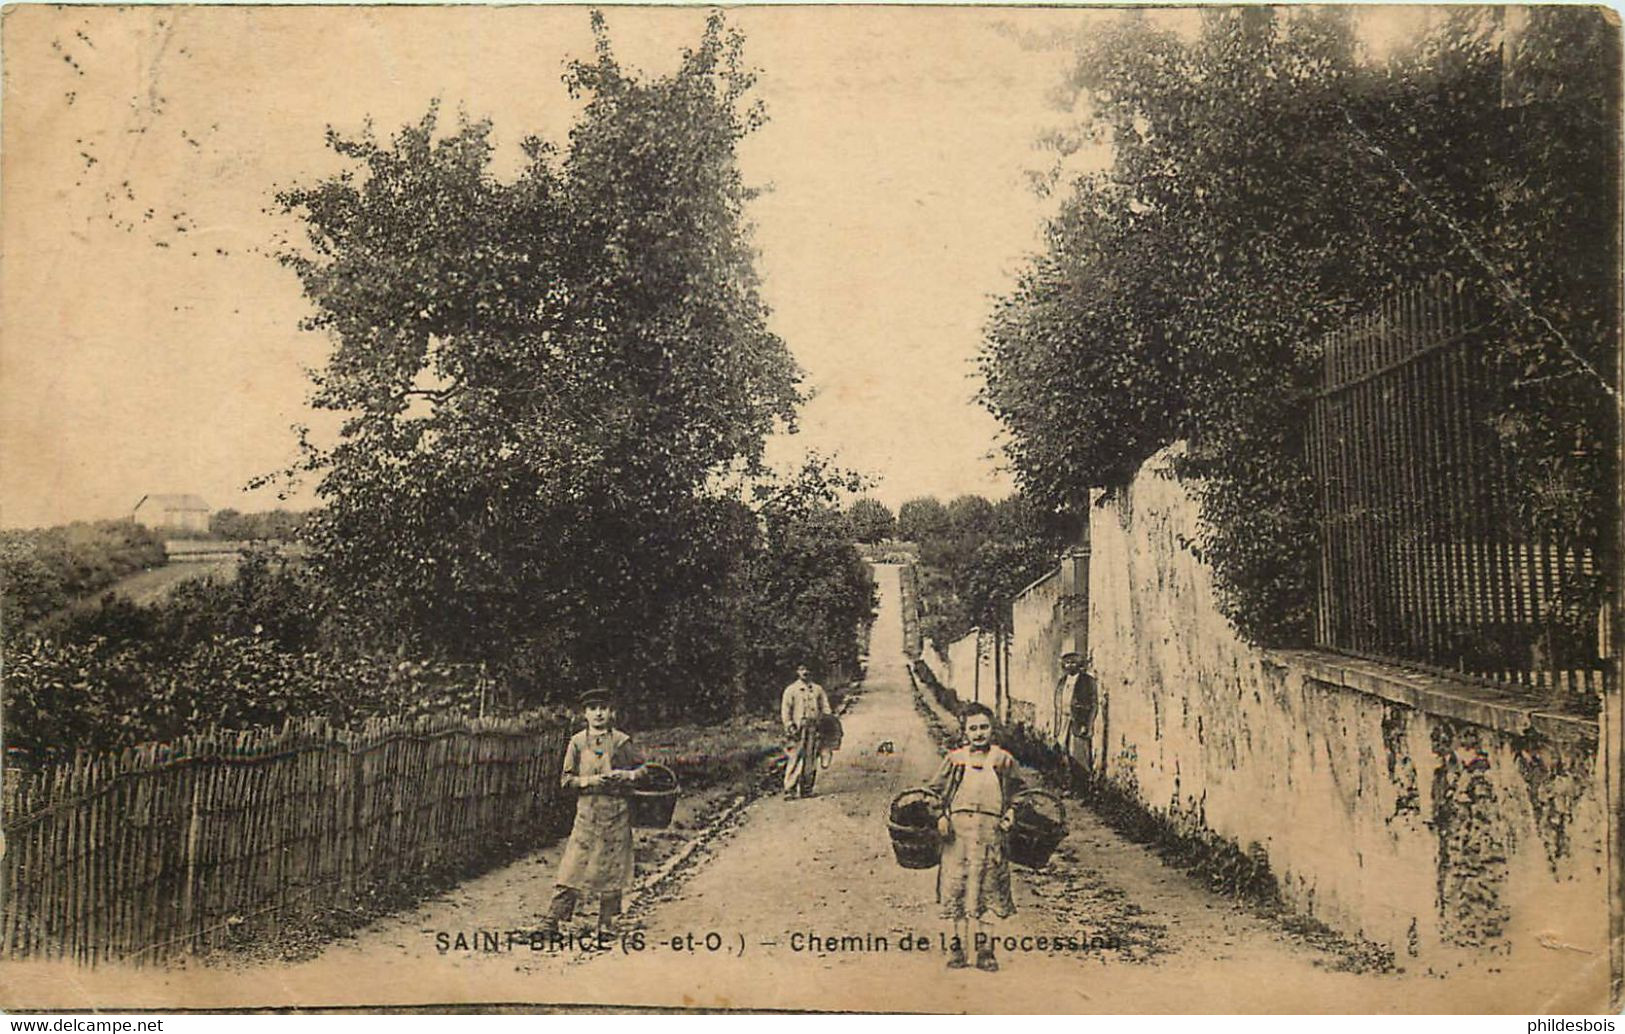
1422,556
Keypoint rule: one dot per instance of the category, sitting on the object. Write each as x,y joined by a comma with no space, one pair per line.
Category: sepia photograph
811,508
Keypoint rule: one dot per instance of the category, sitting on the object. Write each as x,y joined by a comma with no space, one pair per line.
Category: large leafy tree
809,599
1266,184
921,519
549,382
871,520
977,555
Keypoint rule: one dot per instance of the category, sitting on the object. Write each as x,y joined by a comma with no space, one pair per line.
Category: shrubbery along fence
169,848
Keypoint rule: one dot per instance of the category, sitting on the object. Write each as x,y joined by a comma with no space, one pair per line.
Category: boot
986,962
559,910
609,913
956,957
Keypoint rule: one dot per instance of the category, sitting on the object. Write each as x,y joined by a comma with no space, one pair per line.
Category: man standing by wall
1076,702
802,704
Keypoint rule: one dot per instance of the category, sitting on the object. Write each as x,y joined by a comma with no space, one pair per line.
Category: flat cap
598,696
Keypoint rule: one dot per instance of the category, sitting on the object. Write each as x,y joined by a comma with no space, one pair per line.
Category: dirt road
799,905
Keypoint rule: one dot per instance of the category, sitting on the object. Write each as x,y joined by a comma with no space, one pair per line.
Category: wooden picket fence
169,848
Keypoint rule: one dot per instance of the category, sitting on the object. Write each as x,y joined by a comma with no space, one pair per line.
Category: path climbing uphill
799,904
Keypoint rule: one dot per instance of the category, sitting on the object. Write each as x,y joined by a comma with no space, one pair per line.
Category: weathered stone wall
1039,635
1048,618
965,655
908,588
1429,816
933,657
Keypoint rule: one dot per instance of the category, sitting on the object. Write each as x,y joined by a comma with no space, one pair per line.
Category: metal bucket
654,798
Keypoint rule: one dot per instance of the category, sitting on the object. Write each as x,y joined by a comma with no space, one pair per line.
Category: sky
152,344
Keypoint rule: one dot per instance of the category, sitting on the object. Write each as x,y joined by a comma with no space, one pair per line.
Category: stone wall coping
1503,710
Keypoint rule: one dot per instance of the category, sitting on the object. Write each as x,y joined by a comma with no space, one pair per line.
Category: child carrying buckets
977,784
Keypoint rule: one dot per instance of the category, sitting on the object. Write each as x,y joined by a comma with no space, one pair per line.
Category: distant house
176,513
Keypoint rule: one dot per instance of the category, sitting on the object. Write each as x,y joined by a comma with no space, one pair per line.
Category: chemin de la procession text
841,944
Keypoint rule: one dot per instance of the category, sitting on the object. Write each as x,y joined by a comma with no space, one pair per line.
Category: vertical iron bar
1471,528
1359,508
1549,677
1410,406
1390,617
1336,590
1510,548
1430,385
1460,473
1475,528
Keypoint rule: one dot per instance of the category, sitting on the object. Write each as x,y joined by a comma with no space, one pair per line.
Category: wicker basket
830,733
1035,835
912,820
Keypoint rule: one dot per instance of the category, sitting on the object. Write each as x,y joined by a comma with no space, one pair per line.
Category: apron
598,857
801,754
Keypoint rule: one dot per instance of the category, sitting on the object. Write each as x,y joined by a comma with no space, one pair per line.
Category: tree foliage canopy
921,519
45,569
556,386
871,520
976,558
280,525
1267,184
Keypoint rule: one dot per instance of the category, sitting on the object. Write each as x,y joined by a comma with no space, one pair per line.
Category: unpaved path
734,930
148,587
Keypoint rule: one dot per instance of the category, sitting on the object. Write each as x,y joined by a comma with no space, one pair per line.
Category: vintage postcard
821,508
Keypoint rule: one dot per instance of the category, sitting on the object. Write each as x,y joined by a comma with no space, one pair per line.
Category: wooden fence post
193,828
358,854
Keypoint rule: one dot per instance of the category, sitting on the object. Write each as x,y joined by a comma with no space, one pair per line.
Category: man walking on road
804,702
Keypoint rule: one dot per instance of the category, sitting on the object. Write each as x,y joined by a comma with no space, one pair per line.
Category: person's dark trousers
1083,771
